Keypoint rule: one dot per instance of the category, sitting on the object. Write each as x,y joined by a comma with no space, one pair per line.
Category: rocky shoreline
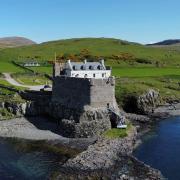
108,159
99,157
113,159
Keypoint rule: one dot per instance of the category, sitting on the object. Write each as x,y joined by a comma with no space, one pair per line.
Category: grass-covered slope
111,49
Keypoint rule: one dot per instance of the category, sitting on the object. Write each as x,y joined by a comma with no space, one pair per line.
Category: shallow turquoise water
161,148
18,162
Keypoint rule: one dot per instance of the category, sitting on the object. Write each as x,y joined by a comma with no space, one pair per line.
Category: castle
83,93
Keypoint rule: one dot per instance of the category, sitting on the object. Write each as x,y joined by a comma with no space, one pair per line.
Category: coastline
96,156
160,113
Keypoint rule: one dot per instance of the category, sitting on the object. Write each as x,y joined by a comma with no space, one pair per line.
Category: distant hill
170,42
15,42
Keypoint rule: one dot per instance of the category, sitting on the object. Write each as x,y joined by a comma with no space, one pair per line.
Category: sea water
161,148
20,161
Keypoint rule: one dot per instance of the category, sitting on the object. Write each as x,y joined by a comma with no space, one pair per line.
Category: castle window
102,74
99,67
90,67
85,76
94,75
74,67
82,67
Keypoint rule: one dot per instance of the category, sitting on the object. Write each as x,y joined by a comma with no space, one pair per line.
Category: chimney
102,61
85,61
69,64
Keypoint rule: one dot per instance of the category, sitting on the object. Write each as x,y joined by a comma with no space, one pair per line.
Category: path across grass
13,82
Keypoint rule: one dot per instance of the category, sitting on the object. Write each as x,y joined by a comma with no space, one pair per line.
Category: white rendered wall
99,74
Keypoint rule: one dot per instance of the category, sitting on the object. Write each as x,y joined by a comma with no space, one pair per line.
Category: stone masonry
81,105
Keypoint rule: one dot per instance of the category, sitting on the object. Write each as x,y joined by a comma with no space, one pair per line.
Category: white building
96,70
31,64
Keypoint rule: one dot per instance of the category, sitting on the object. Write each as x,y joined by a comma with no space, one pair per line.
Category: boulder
147,102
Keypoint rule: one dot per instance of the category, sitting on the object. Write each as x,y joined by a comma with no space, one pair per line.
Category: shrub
143,61
5,114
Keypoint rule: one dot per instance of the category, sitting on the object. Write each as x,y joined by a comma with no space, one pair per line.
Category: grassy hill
169,42
15,42
113,50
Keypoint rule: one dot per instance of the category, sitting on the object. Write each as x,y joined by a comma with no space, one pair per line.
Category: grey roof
87,66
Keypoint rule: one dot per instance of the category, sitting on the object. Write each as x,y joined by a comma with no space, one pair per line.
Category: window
82,67
85,76
90,67
74,67
99,67
102,74
94,75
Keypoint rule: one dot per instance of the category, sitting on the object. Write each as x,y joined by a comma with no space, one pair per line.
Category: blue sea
19,160
161,148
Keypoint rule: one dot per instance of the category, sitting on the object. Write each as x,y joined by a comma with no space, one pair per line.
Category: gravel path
12,81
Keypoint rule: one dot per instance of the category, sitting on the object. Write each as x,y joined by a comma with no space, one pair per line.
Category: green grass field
9,67
144,72
42,69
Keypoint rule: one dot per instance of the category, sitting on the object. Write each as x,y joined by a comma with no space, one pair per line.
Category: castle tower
82,94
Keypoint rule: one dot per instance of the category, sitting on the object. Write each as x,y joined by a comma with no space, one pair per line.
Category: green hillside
113,50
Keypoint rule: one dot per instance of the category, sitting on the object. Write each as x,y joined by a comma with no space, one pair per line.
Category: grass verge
117,133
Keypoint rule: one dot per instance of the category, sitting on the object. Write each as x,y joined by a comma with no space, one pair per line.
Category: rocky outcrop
108,159
142,104
78,123
18,109
148,101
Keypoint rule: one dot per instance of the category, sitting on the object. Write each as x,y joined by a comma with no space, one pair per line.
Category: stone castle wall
79,93
80,105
